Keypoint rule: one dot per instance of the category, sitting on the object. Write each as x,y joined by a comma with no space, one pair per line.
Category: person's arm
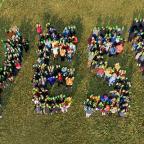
73,78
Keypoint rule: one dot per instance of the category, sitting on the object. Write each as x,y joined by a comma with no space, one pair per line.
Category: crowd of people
53,46
13,46
108,41
63,45
136,36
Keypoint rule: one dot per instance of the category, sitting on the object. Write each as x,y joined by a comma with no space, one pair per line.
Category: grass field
21,126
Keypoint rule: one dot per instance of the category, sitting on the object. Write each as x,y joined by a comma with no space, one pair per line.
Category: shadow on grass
4,26
27,32
138,14
79,59
54,20
111,21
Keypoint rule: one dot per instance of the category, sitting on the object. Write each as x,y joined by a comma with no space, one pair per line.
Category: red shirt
60,78
39,29
75,40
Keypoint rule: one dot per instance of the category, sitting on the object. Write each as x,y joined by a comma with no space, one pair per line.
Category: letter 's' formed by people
107,41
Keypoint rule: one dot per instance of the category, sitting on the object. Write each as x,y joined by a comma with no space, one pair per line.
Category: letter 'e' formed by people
50,74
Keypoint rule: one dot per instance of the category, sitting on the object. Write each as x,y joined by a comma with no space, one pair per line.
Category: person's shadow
1,110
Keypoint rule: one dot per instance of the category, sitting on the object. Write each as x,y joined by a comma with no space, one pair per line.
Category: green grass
21,126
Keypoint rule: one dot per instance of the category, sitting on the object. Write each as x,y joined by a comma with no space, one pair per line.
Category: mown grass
20,125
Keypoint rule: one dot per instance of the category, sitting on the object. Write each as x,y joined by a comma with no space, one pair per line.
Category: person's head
59,74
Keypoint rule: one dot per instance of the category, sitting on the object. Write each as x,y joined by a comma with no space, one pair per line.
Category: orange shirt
62,52
69,81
